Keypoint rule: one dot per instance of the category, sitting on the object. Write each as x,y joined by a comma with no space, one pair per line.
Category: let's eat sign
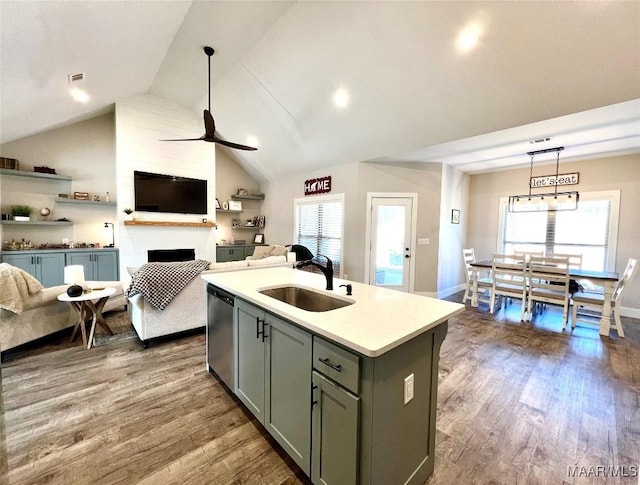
319,185
553,180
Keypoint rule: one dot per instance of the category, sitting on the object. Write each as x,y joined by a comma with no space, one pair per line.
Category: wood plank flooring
518,403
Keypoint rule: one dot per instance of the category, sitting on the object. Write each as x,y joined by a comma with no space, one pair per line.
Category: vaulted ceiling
569,71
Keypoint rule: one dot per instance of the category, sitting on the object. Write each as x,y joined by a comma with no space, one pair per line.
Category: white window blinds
590,230
319,227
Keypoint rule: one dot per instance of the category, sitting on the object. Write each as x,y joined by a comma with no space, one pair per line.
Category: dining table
606,279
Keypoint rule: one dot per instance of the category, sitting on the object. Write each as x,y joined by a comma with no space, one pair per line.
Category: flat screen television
155,192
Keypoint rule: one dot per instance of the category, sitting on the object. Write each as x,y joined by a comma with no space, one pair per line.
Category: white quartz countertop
379,320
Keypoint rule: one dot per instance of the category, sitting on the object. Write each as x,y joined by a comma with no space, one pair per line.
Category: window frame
319,199
612,195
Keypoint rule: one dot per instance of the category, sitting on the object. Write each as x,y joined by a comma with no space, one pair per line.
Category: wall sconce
556,201
113,234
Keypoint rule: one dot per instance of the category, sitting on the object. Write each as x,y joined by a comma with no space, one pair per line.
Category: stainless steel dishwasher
220,334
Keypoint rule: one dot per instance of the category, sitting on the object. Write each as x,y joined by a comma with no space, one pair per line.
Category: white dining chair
509,279
484,283
595,301
575,260
528,253
549,283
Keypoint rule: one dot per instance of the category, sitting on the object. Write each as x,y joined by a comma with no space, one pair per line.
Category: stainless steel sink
308,300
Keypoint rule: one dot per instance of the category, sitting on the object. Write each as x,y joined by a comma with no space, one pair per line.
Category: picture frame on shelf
63,196
455,216
258,239
81,195
218,204
235,205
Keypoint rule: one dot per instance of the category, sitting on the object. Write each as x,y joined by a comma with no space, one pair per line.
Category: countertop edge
278,310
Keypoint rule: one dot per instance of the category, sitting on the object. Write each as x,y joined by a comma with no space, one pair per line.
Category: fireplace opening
170,255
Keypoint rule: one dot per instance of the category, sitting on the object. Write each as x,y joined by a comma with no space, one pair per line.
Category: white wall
84,151
140,123
355,181
454,195
230,176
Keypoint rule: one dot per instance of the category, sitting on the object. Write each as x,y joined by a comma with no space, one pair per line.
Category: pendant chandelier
555,201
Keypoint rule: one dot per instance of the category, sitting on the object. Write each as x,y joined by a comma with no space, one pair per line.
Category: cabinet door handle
336,367
313,396
264,333
257,327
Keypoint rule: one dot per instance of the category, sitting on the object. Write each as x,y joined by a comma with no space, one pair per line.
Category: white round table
87,309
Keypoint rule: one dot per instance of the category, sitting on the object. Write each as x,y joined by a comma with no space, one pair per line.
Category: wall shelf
247,227
248,197
62,200
169,223
24,173
228,211
37,223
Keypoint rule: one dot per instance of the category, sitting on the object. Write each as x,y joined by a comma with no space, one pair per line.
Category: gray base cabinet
46,267
334,457
236,252
98,265
274,378
340,415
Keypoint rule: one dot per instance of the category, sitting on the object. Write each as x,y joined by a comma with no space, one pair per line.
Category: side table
87,309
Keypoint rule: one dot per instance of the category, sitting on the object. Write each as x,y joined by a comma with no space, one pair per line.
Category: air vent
76,78
539,140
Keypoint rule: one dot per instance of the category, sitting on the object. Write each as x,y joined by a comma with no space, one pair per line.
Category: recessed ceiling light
469,38
252,141
341,98
79,95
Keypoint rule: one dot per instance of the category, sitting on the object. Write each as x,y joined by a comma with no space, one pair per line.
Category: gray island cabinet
331,387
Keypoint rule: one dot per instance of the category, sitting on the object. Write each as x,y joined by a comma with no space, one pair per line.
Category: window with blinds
590,230
319,226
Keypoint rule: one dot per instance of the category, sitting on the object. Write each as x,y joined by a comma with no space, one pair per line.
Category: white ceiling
565,70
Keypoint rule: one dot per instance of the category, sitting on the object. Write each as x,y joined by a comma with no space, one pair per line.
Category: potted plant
128,212
20,212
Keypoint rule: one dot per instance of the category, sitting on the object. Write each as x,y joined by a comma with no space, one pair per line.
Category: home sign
320,185
553,180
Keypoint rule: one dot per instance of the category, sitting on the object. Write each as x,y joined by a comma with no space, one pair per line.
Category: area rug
121,326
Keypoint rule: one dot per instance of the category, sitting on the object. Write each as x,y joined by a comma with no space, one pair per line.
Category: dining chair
549,283
595,301
484,283
575,260
528,253
509,273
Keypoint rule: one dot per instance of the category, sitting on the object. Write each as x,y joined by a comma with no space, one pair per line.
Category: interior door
391,234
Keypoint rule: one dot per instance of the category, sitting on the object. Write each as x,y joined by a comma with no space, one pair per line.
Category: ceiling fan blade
185,139
230,144
209,124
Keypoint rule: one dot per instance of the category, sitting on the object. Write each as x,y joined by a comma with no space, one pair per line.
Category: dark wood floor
518,403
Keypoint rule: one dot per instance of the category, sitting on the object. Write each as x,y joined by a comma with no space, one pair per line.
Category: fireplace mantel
169,223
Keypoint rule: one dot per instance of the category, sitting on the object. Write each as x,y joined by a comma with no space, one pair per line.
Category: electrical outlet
408,388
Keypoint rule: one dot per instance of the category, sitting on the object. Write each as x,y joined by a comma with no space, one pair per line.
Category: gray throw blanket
161,282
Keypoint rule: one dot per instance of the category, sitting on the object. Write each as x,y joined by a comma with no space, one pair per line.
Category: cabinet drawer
336,363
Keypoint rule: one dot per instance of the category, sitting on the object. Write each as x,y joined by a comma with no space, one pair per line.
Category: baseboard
630,312
442,294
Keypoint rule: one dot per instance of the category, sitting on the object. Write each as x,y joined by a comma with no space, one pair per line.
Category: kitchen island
349,393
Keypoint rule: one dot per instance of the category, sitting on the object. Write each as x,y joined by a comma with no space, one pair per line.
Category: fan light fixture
556,201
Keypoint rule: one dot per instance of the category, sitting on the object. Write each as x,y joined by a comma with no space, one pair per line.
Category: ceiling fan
209,124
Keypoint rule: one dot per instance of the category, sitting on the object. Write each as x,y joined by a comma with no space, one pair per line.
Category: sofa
42,314
188,310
